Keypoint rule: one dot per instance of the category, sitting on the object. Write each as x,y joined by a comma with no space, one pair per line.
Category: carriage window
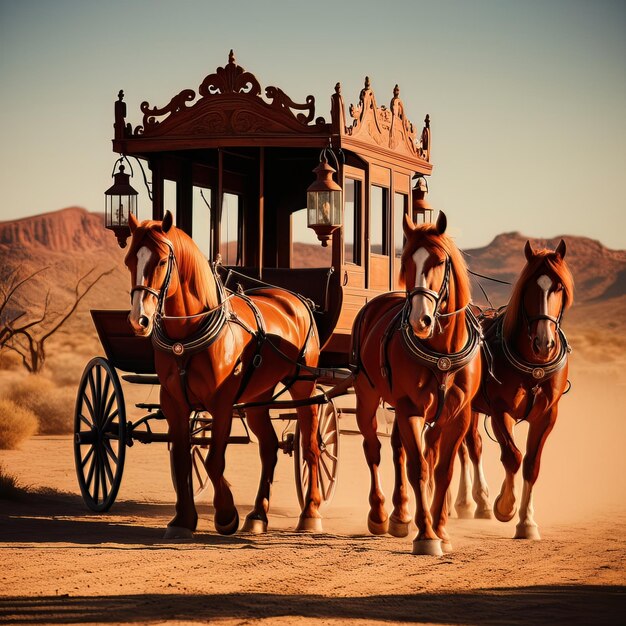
399,209
231,240
378,220
306,250
202,201
351,230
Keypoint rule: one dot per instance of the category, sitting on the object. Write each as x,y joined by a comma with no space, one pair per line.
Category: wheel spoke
329,455
90,408
107,408
86,457
85,421
96,488
105,490
109,419
105,395
330,437
326,470
98,399
110,451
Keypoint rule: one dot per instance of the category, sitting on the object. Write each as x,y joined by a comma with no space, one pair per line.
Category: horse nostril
143,321
427,321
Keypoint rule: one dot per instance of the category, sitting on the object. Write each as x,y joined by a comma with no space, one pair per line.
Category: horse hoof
502,517
310,525
254,525
527,531
377,528
446,546
428,547
463,511
178,532
398,528
230,528
483,514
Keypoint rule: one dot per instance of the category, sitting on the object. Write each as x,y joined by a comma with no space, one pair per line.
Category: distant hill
71,241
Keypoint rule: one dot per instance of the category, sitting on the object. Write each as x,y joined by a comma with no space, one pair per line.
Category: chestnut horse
419,352
527,354
214,349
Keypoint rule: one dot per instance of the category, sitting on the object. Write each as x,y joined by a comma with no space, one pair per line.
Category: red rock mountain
71,241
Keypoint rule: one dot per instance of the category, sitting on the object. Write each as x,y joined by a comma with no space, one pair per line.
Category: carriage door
400,205
231,229
379,238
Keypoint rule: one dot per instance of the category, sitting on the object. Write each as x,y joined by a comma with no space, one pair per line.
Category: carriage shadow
575,604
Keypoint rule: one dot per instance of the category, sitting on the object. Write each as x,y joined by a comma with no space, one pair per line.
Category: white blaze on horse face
422,307
138,308
545,331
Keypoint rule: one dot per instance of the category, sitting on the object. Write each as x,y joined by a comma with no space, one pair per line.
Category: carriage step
141,379
148,406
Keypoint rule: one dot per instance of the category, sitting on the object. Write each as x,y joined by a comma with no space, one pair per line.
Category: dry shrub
16,424
9,486
65,368
53,405
10,361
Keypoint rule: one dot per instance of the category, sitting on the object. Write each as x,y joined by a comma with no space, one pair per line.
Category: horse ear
561,249
407,225
442,223
528,251
133,222
167,222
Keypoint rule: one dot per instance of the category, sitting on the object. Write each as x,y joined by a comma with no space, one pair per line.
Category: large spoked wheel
200,426
328,438
99,435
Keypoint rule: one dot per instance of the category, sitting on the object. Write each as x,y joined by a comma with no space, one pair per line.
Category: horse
418,351
209,347
525,370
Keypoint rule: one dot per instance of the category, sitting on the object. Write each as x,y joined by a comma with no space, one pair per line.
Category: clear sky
527,98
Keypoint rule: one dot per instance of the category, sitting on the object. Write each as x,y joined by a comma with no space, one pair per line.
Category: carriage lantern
324,202
120,201
422,209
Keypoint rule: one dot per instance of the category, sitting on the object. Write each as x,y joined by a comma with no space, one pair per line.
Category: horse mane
193,268
427,235
555,264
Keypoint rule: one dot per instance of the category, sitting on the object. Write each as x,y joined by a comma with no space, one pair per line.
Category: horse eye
162,262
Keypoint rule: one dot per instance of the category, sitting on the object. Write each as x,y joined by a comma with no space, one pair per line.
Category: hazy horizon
526,100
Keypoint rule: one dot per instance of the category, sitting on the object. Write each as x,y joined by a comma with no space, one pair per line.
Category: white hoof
527,531
310,525
428,547
178,532
483,514
446,547
463,511
503,517
254,526
377,528
398,528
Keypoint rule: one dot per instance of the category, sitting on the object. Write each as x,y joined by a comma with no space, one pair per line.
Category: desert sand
63,564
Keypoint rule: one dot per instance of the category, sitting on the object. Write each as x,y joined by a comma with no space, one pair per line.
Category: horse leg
400,518
463,505
426,541
504,507
448,442
310,518
186,519
537,435
226,517
480,490
261,425
367,401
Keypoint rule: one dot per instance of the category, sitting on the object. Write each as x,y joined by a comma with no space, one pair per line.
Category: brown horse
214,349
527,355
419,352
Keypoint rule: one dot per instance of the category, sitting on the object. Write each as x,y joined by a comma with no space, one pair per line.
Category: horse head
430,271
542,294
149,261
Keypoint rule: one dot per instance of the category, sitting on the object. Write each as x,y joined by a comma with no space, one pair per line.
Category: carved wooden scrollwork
207,115
230,79
388,127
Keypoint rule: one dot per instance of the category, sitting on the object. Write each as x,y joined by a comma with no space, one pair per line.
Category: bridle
438,297
159,294
531,320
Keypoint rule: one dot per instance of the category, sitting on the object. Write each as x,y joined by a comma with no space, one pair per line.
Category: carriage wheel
99,434
199,476
328,437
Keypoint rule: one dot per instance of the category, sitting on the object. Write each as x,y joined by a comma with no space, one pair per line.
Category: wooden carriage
237,165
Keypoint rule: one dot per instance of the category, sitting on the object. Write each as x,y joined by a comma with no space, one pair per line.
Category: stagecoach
250,175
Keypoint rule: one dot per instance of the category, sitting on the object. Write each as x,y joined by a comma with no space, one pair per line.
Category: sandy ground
62,564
